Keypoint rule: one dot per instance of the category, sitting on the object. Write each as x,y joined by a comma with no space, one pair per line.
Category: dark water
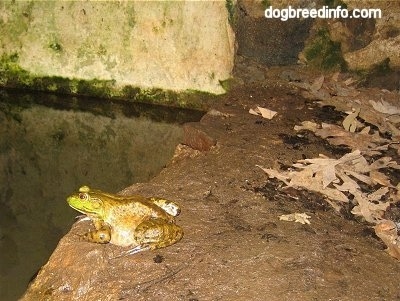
49,147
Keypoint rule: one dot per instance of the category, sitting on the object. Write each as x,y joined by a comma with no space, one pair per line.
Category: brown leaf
370,211
380,178
387,231
317,84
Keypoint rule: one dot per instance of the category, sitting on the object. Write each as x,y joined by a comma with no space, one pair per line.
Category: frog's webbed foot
134,250
137,249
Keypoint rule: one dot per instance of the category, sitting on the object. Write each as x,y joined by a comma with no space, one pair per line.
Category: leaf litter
264,112
359,178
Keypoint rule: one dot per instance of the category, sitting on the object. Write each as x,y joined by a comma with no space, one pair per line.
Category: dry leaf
349,81
384,107
317,84
335,76
393,130
372,212
296,217
383,163
265,113
378,194
333,177
387,231
363,178
307,125
254,112
395,118
272,173
336,135
379,178
350,122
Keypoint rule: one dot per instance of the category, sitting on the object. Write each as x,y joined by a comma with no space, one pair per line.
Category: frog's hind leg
154,234
168,206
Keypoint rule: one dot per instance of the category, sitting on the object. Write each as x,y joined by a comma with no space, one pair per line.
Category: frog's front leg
101,235
155,234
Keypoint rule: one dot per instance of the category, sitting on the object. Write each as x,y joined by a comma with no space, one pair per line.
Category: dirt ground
235,247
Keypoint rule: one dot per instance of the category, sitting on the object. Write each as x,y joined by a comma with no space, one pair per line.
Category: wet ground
235,247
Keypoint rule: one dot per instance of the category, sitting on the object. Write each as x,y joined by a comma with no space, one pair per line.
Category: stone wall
113,47
383,40
330,44
270,41
358,44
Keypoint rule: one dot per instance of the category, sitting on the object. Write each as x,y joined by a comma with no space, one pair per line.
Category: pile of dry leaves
360,177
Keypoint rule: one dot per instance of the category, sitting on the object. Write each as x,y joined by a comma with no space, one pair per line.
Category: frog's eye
83,196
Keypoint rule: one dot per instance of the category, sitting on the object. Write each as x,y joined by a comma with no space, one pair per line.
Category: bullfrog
136,222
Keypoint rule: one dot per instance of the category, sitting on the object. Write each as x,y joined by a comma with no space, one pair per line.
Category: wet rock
194,135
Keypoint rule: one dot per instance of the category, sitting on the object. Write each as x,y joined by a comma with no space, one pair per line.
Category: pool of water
52,145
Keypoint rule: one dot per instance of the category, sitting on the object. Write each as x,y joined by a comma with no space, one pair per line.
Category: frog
138,222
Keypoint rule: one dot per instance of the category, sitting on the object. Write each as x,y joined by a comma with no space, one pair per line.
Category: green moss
13,76
232,14
18,21
155,96
212,75
55,46
130,10
13,58
227,84
265,3
382,68
377,70
189,99
102,50
96,87
324,53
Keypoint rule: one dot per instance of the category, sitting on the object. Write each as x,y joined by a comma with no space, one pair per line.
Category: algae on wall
113,47
324,53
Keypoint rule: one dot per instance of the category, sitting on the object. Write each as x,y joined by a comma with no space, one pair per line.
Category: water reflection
48,152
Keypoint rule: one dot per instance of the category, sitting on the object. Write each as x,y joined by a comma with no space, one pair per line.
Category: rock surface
269,41
383,42
363,42
235,247
175,45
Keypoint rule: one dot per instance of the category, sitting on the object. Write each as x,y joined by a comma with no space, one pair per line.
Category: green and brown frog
128,221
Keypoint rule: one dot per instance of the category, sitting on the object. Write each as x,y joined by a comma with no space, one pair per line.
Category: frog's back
132,210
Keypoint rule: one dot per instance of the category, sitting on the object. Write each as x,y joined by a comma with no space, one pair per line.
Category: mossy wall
356,44
115,48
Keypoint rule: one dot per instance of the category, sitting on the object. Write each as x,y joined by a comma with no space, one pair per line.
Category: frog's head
87,202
